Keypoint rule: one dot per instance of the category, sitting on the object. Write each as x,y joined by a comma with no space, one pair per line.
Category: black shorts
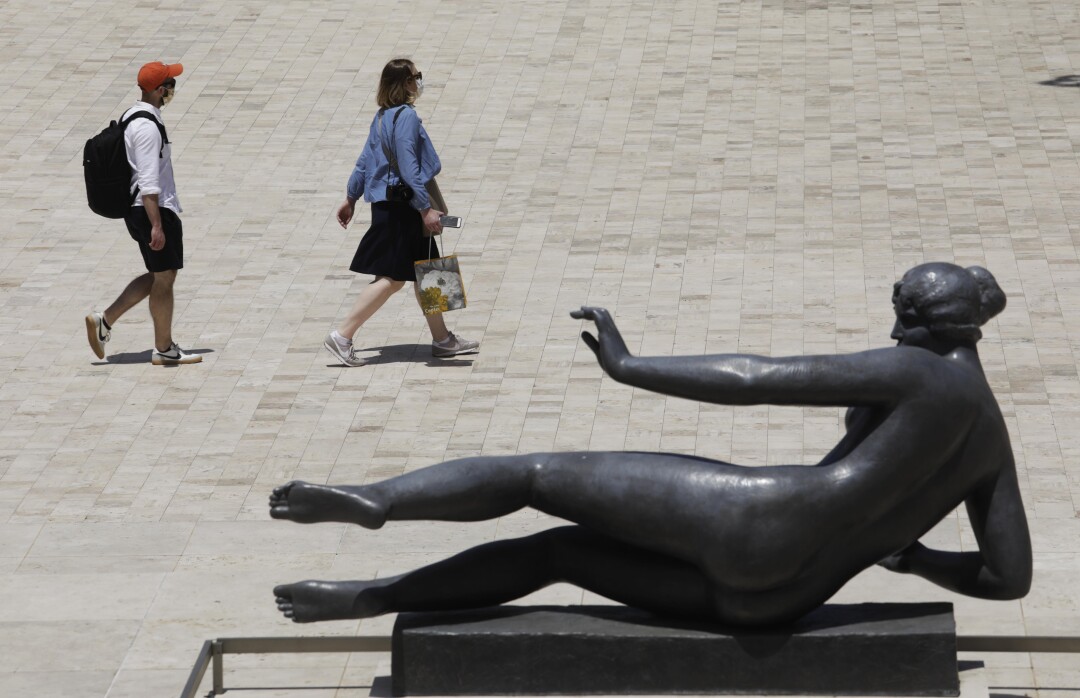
167,258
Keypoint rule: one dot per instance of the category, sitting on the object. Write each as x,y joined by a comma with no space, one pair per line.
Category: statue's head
947,302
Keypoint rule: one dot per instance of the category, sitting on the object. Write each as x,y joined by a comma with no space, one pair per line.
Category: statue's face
909,329
915,336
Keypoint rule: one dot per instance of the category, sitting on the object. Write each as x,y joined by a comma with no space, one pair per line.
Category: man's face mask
170,90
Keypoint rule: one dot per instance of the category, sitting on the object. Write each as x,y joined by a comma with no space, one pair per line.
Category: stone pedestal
866,649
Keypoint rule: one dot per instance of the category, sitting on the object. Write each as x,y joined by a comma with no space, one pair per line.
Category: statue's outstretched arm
1001,568
867,378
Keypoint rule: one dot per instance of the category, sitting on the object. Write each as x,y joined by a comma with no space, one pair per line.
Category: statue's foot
304,502
311,601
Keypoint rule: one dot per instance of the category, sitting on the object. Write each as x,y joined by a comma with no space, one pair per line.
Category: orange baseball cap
152,75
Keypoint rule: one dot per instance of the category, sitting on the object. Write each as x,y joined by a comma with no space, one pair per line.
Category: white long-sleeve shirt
151,172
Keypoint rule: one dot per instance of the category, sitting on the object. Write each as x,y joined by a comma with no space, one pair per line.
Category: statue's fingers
582,313
602,318
591,342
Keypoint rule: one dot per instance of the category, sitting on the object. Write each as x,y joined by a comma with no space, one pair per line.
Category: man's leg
136,291
99,325
161,308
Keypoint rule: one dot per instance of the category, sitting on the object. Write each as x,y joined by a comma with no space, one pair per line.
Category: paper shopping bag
440,285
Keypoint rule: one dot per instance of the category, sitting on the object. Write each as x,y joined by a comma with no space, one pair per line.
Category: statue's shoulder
923,371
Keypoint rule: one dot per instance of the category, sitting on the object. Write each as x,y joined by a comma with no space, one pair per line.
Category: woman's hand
608,345
433,220
345,212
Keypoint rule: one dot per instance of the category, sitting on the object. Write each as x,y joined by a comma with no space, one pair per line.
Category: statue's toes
282,491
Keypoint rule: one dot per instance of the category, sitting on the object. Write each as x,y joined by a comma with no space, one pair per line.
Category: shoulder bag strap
387,150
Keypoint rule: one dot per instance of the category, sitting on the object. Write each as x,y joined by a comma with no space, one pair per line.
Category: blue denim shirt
416,159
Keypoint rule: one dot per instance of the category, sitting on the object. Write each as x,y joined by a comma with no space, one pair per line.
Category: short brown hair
392,90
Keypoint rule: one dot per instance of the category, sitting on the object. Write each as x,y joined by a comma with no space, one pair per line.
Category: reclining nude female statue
687,536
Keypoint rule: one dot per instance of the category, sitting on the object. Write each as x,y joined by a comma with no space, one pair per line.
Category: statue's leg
664,502
502,571
467,489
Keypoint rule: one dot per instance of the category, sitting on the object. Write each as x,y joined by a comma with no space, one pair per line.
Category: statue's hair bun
991,297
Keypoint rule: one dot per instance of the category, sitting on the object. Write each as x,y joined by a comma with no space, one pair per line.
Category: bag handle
431,241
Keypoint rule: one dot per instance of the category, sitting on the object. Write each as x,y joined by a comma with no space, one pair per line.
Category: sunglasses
417,76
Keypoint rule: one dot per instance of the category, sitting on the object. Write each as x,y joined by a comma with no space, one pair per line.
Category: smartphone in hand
450,221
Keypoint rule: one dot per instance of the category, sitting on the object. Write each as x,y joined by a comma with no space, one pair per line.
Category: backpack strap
387,150
161,127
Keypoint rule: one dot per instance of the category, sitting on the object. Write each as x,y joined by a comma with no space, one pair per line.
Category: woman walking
397,162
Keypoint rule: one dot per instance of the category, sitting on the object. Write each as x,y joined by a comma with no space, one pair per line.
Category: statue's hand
894,563
901,561
608,344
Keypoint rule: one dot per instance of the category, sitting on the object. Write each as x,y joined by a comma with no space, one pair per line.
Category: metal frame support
1028,644
219,668
212,654
213,651
198,671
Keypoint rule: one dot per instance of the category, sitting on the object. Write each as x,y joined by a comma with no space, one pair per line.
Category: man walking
153,221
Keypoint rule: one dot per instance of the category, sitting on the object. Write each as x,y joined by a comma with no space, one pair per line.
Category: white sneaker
454,345
174,356
346,355
97,334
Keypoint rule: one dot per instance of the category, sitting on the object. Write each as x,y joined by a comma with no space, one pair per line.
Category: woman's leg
435,322
502,571
371,299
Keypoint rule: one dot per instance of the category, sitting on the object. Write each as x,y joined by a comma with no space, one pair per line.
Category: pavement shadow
1063,81
139,357
125,357
382,687
407,353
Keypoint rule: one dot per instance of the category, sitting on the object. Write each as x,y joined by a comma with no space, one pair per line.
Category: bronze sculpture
687,536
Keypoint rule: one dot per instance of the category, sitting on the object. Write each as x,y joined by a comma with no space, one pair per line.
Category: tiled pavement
725,176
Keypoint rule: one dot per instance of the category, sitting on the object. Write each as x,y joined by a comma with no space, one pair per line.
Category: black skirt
393,242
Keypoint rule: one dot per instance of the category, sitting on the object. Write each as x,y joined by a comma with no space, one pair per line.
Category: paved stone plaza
724,176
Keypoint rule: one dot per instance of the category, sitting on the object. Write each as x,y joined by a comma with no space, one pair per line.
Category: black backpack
106,169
